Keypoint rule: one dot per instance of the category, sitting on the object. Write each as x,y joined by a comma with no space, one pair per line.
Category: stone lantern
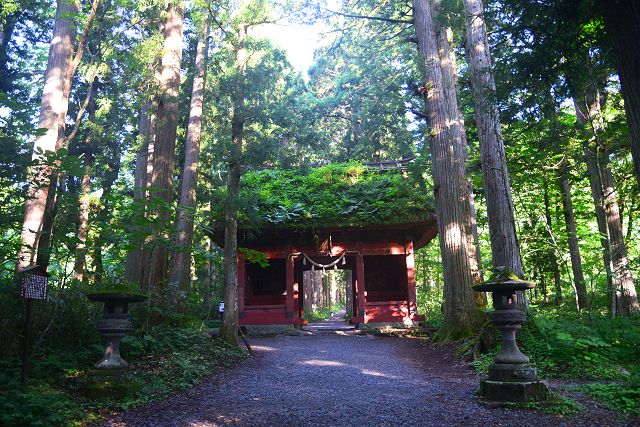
115,325
510,378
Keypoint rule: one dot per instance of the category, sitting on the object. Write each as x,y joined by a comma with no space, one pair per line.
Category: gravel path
339,379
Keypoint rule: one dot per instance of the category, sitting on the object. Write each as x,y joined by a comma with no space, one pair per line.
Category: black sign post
33,286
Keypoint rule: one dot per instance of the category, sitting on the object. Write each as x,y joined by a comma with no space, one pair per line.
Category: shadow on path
343,380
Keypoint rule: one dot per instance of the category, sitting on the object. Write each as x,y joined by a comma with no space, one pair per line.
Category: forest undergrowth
593,356
63,389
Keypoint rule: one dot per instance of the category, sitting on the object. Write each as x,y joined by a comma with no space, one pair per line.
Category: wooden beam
242,279
411,278
360,286
290,288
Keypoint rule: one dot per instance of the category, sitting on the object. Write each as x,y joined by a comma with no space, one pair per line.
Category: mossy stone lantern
510,378
115,325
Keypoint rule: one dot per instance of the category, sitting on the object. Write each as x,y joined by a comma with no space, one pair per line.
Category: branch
419,113
371,18
81,111
83,40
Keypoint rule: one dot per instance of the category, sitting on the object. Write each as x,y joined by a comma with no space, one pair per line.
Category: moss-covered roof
335,195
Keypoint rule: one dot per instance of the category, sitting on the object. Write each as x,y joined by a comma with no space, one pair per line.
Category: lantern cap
116,296
503,280
35,269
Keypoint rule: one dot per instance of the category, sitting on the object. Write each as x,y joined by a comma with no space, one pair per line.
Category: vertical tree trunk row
622,293
181,260
165,145
450,94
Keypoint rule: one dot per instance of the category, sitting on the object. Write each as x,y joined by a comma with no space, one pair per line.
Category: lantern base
512,391
512,372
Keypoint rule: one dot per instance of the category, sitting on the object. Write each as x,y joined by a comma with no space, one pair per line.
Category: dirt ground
341,379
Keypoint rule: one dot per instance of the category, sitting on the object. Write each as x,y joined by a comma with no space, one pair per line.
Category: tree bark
165,145
572,237
622,293
622,22
553,259
625,291
61,67
137,264
52,112
83,211
450,94
595,183
588,113
181,261
448,156
505,250
6,33
229,327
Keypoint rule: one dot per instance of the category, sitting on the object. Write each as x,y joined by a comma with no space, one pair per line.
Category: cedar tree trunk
622,22
626,295
181,261
84,205
137,268
229,326
448,157
52,111
165,145
572,238
450,94
505,250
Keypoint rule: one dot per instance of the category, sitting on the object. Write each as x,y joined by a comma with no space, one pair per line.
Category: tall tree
136,270
622,22
589,101
572,237
164,153
626,296
85,191
553,258
229,327
61,66
505,250
179,272
450,94
448,156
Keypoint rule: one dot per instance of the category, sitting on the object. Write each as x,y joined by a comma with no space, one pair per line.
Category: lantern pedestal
510,378
114,326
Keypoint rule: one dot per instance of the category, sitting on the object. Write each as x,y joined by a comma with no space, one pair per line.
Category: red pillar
411,278
360,289
241,284
290,287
